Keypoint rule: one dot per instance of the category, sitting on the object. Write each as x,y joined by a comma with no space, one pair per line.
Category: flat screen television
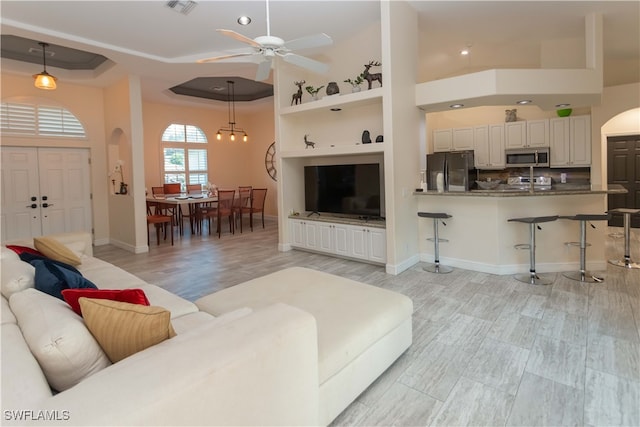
352,189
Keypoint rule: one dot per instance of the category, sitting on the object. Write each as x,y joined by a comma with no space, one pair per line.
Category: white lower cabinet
365,243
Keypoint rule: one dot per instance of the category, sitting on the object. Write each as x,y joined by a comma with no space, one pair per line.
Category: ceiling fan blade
304,62
239,37
264,68
223,57
316,40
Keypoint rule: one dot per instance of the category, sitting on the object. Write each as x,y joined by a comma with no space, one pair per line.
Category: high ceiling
149,39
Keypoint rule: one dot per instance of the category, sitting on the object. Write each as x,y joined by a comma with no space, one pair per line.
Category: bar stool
437,217
532,278
626,262
583,275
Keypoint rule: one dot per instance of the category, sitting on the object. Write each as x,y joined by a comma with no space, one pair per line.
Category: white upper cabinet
463,139
537,133
443,140
515,134
489,146
570,140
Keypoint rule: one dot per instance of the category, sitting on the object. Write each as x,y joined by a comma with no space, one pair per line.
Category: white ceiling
149,39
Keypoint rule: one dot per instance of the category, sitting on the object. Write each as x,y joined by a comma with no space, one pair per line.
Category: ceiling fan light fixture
44,80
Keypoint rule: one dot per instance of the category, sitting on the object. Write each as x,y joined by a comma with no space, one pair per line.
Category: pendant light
44,80
232,129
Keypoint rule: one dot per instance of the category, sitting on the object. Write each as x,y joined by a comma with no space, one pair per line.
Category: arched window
184,154
39,120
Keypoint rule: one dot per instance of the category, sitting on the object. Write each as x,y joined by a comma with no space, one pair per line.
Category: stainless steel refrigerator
457,168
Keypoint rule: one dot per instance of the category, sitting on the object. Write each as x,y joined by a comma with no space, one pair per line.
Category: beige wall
230,164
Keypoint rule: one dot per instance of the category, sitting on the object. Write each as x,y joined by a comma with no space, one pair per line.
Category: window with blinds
39,120
184,159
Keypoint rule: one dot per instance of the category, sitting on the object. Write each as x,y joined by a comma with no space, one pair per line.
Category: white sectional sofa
235,360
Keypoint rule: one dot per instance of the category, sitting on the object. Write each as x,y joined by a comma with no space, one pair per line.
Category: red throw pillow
133,296
22,249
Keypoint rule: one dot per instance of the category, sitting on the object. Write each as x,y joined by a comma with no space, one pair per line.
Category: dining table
192,201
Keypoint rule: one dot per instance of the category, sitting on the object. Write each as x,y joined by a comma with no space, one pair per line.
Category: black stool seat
437,217
535,219
434,215
583,275
625,211
587,217
626,262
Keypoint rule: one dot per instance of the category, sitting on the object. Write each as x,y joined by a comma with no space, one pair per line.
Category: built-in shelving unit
344,101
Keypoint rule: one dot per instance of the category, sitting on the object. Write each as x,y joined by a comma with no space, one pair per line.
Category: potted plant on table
355,83
314,91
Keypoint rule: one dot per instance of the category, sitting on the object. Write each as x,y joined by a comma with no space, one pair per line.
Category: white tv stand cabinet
359,239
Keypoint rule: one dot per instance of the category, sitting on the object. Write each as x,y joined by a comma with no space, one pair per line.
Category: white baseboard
509,269
396,269
128,247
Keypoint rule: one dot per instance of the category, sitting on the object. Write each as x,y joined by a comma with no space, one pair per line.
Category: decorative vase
332,88
355,88
314,97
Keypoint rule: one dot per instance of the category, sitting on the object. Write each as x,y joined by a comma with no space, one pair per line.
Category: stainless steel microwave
524,157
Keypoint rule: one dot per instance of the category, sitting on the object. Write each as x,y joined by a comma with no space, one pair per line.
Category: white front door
58,180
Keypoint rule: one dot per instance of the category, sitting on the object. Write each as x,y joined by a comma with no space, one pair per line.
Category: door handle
46,205
32,206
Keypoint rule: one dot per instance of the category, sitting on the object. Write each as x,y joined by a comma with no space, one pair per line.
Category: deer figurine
372,77
308,143
297,97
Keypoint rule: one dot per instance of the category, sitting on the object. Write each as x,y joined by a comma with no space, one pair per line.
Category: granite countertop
368,222
556,190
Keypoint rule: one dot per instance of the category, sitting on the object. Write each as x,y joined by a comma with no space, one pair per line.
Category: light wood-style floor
487,350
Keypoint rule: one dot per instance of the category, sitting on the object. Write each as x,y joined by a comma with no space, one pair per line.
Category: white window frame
22,119
191,140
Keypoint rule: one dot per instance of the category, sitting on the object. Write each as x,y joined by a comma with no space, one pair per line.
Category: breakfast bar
480,238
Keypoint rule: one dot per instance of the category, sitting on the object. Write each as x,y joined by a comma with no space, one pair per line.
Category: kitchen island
481,238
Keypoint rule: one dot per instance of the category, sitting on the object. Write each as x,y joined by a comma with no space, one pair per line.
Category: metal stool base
437,268
534,279
586,277
624,263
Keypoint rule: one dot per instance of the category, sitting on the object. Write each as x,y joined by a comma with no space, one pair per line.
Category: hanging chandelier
44,80
232,129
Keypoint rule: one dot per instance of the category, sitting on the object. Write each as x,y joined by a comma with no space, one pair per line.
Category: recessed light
464,52
217,88
336,109
524,102
244,20
562,105
456,105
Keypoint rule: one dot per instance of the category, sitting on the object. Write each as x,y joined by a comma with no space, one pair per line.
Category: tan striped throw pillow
123,329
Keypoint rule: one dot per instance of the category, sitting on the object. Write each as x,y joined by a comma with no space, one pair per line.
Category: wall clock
270,161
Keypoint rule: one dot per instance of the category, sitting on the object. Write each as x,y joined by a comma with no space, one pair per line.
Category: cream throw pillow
123,329
55,250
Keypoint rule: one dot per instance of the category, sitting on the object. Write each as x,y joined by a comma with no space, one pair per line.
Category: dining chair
156,191
258,196
224,208
160,219
241,204
188,211
172,188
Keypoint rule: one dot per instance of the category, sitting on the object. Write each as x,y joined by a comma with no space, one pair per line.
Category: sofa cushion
20,249
58,338
16,276
6,253
5,312
23,383
133,296
123,329
55,250
52,278
351,316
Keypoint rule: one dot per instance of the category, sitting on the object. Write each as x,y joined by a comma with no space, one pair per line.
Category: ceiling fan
265,48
